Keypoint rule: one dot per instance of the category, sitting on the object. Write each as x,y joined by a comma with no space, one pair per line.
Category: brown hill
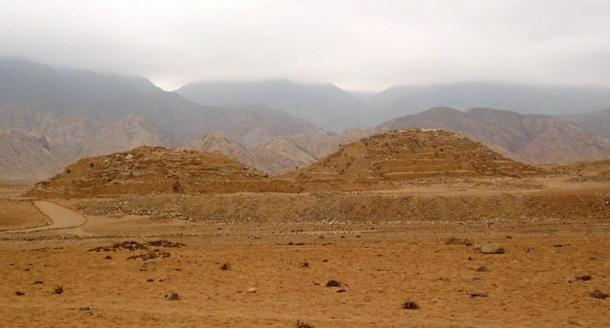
152,169
408,155
530,138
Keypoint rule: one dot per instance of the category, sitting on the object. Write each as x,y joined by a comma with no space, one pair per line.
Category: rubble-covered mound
152,170
408,155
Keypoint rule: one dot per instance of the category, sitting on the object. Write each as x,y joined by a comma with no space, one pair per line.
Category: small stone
410,305
58,290
482,268
478,294
585,277
251,290
19,293
599,294
333,283
172,296
491,249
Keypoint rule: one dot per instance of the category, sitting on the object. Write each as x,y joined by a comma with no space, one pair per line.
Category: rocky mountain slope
531,138
256,126
597,122
325,105
26,157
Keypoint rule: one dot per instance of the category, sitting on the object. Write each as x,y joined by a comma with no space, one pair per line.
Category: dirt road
60,218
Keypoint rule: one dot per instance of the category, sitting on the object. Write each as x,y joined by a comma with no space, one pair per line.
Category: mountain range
323,104
51,117
522,98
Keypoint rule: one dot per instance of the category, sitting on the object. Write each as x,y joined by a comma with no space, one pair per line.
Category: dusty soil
390,258
20,214
537,282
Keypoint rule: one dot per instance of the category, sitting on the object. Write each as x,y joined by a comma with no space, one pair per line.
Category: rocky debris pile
156,254
134,245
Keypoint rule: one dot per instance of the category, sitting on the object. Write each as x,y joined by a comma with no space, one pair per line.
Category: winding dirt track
59,217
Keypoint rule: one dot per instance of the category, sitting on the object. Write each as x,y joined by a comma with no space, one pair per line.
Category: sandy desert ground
275,272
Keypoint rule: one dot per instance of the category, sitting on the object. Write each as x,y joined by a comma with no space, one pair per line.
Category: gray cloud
355,44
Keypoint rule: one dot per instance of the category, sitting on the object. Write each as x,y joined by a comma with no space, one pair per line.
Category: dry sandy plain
278,265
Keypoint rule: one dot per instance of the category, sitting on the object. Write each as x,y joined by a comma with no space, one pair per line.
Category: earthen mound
152,170
405,155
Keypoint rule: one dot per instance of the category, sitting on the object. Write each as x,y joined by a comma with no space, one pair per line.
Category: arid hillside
409,155
152,169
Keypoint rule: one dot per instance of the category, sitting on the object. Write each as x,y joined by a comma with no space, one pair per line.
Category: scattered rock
491,249
410,305
134,246
333,283
301,324
599,294
482,268
19,293
38,282
225,267
342,290
150,256
585,277
251,290
58,290
479,294
165,243
172,297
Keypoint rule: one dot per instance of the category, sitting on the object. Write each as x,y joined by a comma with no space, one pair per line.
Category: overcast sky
358,45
